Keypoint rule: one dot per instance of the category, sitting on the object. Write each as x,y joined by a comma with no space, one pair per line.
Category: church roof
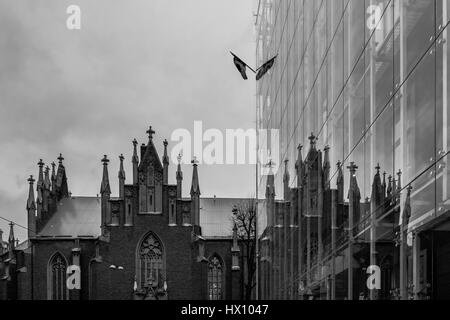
216,216
81,216
75,216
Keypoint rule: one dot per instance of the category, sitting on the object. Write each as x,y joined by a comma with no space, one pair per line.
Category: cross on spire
105,160
312,138
270,164
409,189
135,143
60,158
194,161
378,168
150,132
31,179
165,143
352,167
41,163
121,158
179,157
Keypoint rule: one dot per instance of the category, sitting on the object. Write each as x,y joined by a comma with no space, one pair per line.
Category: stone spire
326,168
121,177
299,167
47,190
399,182
105,192
62,190
312,139
340,183
165,164
270,195
377,189
195,194
47,183
270,184
389,188
11,238
353,214
407,209
53,178
353,182
31,209
383,188
105,187
286,181
40,189
1,242
394,191
135,162
179,178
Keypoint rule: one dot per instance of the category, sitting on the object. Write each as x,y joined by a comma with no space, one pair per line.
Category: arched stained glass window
57,267
151,262
215,278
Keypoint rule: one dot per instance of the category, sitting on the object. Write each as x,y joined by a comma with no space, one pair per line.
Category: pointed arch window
151,266
56,272
215,278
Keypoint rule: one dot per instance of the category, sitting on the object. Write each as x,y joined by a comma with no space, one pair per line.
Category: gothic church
149,243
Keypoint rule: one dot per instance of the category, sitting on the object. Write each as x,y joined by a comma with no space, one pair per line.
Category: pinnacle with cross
194,161
270,164
165,143
41,163
30,179
150,132
179,157
135,142
105,160
409,189
60,158
352,167
312,138
121,158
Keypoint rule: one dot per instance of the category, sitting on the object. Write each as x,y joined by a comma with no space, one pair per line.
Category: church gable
150,173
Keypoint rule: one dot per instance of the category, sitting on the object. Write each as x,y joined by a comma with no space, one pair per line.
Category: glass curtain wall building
362,86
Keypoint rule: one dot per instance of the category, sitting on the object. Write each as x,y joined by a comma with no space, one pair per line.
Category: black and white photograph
243,151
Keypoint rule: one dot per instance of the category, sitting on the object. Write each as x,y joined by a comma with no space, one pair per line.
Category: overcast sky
89,92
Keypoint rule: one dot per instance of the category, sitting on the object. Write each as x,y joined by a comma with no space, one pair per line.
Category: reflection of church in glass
323,243
147,243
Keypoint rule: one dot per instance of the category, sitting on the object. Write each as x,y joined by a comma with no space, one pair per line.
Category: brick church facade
148,243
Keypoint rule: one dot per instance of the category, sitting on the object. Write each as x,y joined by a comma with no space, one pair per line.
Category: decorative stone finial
150,132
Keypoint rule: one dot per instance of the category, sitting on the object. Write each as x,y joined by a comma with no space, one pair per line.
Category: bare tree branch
245,220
